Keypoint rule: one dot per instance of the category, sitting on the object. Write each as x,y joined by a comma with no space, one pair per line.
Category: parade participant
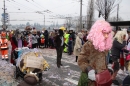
34,38
46,35
119,44
18,37
29,40
70,44
4,45
25,34
66,38
42,41
78,45
59,44
92,58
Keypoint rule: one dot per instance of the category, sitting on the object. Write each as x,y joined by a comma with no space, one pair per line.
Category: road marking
72,81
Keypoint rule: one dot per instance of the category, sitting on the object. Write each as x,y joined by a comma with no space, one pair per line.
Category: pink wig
96,36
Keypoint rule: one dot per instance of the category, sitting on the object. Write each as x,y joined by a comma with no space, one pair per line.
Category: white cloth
62,41
91,75
128,47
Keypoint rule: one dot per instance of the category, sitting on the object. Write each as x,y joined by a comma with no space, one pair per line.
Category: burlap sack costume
33,62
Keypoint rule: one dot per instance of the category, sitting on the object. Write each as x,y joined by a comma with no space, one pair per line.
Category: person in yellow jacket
4,45
66,40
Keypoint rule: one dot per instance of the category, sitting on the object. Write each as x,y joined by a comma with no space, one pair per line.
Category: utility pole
105,10
4,25
80,15
44,21
117,12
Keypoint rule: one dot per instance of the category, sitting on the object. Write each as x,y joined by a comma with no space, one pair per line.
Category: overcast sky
55,7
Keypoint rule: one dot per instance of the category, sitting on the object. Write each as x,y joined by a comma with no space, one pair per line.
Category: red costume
4,45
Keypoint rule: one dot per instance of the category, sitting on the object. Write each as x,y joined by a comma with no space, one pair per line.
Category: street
66,75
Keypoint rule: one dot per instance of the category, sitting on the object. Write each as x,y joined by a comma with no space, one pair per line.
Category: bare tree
69,22
90,14
105,7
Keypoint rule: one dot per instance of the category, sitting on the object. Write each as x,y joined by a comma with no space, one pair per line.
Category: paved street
67,75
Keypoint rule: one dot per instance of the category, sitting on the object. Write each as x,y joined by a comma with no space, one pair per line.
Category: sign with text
34,62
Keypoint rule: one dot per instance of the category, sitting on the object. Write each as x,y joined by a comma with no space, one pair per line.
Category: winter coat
78,44
46,34
34,39
116,48
92,57
89,56
58,41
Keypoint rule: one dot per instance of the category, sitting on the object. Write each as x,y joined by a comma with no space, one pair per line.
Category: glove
91,75
79,49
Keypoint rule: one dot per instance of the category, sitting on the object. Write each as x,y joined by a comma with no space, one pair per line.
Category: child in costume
92,58
4,45
42,41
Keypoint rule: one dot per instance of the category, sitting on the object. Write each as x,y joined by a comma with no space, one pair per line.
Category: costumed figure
18,36
70,44
14,45
42,41
59,45
4,46
122,60
30,63
25,34
66,39
46,36
92,58
119,44
29,40
34,39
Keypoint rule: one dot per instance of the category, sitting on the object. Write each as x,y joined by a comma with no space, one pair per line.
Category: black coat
117,48
57,41
46,34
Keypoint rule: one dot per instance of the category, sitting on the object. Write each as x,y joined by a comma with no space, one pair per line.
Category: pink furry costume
94,51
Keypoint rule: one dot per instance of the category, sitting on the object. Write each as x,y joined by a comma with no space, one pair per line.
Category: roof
120,23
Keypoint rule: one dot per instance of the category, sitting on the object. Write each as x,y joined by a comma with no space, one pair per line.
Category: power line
33,4
38,4
21,12
16,3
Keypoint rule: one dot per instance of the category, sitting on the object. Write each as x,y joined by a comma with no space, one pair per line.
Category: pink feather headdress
96,35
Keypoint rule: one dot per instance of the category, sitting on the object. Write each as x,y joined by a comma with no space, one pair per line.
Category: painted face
105,33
